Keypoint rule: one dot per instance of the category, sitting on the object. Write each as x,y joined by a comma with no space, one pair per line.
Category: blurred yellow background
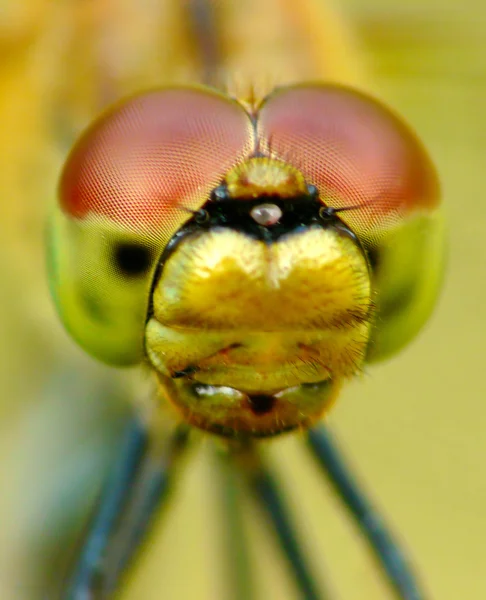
415,427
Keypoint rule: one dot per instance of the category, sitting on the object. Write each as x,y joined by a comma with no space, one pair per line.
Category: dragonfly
252,234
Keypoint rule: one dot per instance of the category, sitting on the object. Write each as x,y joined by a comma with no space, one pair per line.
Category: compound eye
154,158
129,184
355,150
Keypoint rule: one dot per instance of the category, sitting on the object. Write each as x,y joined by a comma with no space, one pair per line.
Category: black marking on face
222,210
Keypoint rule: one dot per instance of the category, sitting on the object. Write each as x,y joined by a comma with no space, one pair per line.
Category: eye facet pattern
129,184
360,155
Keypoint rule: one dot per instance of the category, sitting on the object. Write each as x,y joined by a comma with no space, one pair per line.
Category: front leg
137,486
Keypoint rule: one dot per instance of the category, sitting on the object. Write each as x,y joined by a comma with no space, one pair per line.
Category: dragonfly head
254,261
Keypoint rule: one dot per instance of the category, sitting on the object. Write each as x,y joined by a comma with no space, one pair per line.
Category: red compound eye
153,154
354,150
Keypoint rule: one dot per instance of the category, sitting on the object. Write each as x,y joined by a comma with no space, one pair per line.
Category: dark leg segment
267,492
236,561
152,490
371,524
113,498
136,486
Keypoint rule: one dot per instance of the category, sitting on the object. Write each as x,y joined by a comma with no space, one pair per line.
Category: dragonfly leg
266,490
136,487
369,521
113,497
236,551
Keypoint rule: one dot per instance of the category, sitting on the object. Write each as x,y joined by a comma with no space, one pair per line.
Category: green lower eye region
101,277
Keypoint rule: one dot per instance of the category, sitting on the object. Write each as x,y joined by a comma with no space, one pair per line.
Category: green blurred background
415,427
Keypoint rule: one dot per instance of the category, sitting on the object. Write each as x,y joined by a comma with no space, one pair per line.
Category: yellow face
254,326
255,260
